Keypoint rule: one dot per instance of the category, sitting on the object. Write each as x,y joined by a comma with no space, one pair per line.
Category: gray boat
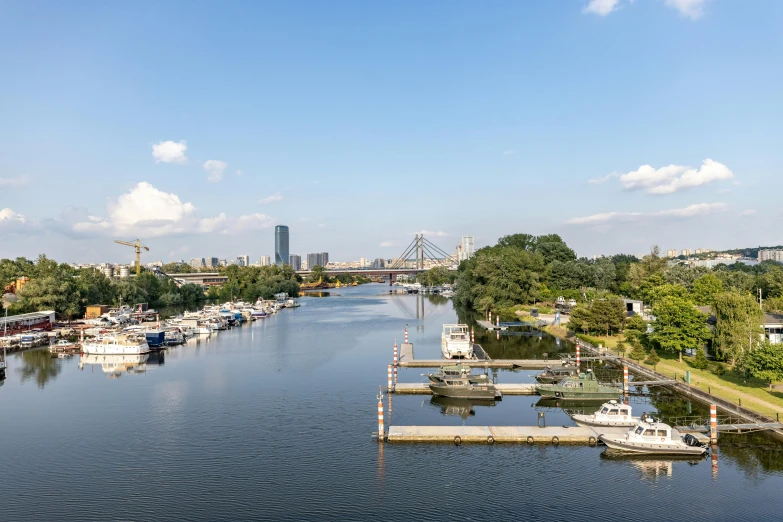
464,386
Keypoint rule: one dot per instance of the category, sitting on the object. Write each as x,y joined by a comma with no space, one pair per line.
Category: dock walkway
493,434
421,388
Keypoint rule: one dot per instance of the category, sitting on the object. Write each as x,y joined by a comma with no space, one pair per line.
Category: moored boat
651,436
117,345
455,341
464,386
610,415
552,375
582,387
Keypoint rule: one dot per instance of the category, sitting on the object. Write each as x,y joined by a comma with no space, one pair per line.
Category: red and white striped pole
713,424
157,320
578,358
395,376
497,320
406,334
381,431
490,316
395,353
625,380
472,336
389,386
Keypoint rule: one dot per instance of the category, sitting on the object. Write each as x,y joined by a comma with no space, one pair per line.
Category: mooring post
395,353
625,380
389,386
381,432
406,334
497,320
395,376
713,424
578,358
472,336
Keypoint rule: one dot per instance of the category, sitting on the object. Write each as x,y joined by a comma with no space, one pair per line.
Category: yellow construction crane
138,246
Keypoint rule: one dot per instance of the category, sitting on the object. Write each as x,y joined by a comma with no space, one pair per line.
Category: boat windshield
604,410
613,412
639,430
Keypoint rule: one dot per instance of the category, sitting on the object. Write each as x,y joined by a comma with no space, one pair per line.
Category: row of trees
251,282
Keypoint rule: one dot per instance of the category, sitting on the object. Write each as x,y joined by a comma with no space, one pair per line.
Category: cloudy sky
197,127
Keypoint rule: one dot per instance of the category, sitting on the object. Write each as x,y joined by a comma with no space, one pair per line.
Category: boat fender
490,440
457,440
591,441
555,441
530,439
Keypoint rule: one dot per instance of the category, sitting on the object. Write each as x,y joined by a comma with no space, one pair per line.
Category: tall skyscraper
265,261
295,261
320,259
466,252
281,245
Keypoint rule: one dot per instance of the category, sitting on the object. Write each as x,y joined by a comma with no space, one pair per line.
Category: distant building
364,262
124,272
295,261
281,245
686,252
466,250
213,262
320,259
771,255
108,270
671,253
243,260
379,263
197,263
265,261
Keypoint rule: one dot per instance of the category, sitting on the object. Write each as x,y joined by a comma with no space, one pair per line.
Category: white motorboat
455,341
651,436
63,346
117,345
610,415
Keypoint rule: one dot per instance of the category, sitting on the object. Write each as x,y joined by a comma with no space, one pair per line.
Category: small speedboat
610,415
63,346
651,436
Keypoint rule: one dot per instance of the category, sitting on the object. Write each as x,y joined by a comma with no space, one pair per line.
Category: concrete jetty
509,364
421,388
494,434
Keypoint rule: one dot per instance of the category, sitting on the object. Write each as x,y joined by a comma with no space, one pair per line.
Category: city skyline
531,115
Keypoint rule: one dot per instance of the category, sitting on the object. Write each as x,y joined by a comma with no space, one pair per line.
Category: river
273,421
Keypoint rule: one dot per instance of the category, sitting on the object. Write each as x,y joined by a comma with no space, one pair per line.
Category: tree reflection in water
39,365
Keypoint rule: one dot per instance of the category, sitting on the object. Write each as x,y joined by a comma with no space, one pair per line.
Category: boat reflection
459,407
115,365
651,467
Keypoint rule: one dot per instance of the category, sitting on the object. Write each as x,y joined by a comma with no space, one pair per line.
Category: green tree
700,361
150,285
737,327
580,319
637,353
766,362
604,274
706,288
607,315
653,359
678,325
635,329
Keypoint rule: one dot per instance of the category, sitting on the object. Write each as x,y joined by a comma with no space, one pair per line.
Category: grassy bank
753,393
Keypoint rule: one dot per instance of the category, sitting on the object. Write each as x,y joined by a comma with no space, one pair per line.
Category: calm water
272,421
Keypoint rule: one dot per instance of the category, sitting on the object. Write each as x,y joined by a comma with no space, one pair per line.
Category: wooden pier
421,388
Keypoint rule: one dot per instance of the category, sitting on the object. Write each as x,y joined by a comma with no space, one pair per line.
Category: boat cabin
649,430
613,410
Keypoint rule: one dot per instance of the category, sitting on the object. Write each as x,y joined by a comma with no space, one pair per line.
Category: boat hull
575,395
650,448
100,349
589,422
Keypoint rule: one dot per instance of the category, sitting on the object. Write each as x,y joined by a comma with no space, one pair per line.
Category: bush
700,361
588,339
638,353
719,370
653,358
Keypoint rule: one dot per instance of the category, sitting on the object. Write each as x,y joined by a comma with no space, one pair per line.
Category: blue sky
198,126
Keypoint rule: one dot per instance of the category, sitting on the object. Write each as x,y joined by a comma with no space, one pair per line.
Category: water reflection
314,294
650,467
458,407
40,366
115,365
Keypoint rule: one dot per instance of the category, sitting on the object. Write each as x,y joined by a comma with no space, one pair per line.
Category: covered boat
464,386
610,415
552,375
582,387
651,436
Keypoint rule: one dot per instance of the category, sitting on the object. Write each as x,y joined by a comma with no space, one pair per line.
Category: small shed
773,328
95,311
633,306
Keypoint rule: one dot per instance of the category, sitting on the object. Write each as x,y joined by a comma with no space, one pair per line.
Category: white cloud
19,181
386,243
602,179
146,211
271,199
672,178
748,212
9,217
321,225
438,233
697,209
215,168
692,9
508,152
601,7
240,173
170,152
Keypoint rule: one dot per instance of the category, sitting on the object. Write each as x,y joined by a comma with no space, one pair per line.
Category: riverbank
752,394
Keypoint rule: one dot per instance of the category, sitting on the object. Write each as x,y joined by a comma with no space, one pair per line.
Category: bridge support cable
446,257
405,255
433,257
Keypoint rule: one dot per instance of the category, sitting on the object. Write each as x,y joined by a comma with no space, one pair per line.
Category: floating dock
492,434
421,388
509,364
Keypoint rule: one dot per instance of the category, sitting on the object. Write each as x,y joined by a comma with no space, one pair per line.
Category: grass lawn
730,386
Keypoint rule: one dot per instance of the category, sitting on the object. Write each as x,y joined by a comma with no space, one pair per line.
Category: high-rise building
379,263
281,245
295,261
325,258
320,259
243,260
467,248
686,252
771,255
265,261
213,262
197,263
671,253
364,262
